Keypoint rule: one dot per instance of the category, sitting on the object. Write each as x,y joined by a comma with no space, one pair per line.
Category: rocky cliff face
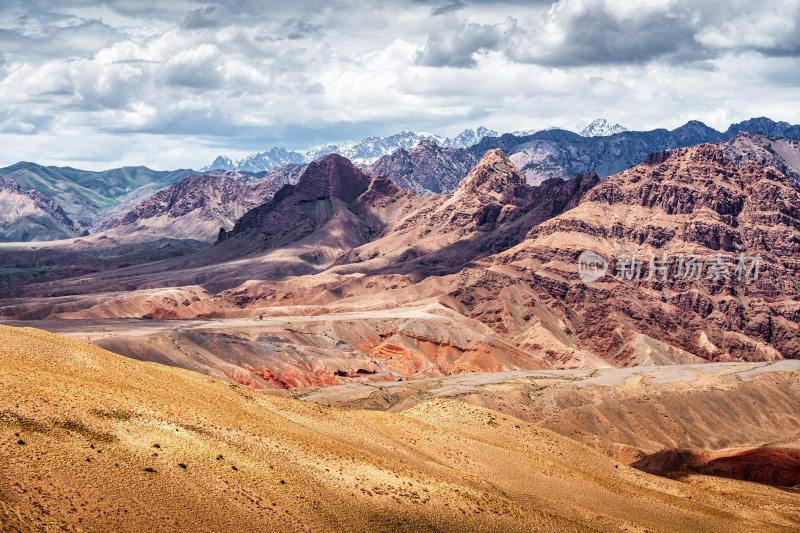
268,183
31,216
425,169
680,203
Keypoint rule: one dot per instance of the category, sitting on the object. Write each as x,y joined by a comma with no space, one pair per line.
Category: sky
102,84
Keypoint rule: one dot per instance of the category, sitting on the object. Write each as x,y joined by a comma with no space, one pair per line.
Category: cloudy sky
173,84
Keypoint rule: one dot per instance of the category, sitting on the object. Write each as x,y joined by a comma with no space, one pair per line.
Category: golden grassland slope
102,442
646,416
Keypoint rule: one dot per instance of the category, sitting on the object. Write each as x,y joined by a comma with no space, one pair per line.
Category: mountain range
498,254
430,169
362,152
95,201
368,150
195,207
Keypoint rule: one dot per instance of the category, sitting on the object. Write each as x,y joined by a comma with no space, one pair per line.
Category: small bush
234,468
79,428
182,465
21,442
283,482
156,445
149,469
219,457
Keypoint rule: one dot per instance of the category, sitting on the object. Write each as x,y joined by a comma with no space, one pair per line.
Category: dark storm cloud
598,32
456,49
597,35
449,8
199,69
202,18
295,29
79,38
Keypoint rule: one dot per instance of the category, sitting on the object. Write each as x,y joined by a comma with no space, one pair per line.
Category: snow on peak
601,128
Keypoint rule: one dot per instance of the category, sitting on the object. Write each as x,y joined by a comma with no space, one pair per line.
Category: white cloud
174,84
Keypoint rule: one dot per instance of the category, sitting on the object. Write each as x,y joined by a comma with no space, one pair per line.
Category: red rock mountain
319,202
491,209
425,169
194,208
485,279
687,201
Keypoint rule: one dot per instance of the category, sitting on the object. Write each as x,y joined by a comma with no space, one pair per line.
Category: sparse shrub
149,469
233,467
219,457
84,431
182,465
21,442
283,482
156,445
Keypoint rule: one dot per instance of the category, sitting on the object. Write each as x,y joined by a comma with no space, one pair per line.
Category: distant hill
563,154
31,216
89,196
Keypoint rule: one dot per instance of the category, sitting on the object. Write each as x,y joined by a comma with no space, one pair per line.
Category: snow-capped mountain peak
361,152
601,128
274,157
469,137
372,148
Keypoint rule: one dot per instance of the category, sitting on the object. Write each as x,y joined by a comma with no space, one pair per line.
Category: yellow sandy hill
95,441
